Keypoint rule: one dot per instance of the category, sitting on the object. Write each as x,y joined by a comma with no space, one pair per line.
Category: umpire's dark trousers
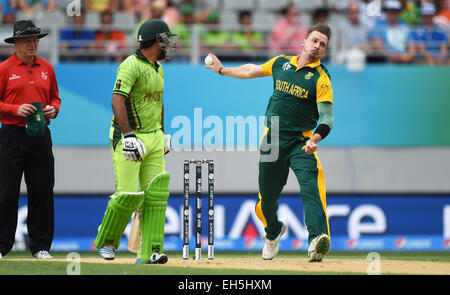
32,157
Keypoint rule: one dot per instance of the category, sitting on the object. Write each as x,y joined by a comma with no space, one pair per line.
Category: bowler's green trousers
278,153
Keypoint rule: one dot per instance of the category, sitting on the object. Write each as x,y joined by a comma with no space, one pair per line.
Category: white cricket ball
208,60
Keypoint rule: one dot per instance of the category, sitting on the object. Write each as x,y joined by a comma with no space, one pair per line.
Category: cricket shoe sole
107,252
318,248
155,258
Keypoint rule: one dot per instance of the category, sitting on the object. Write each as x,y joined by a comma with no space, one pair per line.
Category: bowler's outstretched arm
247,71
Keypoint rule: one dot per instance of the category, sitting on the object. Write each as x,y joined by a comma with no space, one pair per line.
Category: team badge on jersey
44,75
14,77
308,75
118,84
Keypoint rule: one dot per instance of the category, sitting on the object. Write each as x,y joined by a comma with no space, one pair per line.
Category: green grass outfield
14,264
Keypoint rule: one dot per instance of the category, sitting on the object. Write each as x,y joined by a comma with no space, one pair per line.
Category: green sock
117,215
153,216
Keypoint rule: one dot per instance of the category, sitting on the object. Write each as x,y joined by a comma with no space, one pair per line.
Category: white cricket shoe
157,258
42,255
270,249
319,246
107,252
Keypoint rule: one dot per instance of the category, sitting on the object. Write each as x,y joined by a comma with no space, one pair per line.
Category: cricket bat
135,234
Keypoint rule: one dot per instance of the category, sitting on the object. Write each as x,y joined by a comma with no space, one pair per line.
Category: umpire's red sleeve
54,93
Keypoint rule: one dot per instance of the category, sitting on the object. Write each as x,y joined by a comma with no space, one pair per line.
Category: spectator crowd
396,31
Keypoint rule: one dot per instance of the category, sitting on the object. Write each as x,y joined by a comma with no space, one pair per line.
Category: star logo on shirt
286,66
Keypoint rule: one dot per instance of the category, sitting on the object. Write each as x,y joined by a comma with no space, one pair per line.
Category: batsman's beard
165,54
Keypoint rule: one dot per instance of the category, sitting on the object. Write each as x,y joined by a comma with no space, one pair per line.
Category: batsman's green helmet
150,29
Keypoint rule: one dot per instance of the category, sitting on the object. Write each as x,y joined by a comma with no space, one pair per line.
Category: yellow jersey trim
322,190
324,90
267,66
258,211
308,133
294,62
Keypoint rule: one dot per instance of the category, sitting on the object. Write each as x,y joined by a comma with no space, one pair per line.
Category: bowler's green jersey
296,92
142,83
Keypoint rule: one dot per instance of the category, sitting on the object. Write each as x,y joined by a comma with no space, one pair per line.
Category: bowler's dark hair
321,28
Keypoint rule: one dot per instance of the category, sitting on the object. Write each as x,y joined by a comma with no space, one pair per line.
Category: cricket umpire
137,147
29,99
302,94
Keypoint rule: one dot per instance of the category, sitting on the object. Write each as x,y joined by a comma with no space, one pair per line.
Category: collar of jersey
141,56
294,61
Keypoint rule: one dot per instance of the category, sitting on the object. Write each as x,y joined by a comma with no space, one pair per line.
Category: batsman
138,145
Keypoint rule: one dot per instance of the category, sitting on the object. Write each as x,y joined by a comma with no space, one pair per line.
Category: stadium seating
265,14
264,20
309,5
213,4
45,19
238,5
92,20
270,5
228,20
124,20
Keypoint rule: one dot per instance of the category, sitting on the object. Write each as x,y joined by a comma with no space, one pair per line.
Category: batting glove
133,148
